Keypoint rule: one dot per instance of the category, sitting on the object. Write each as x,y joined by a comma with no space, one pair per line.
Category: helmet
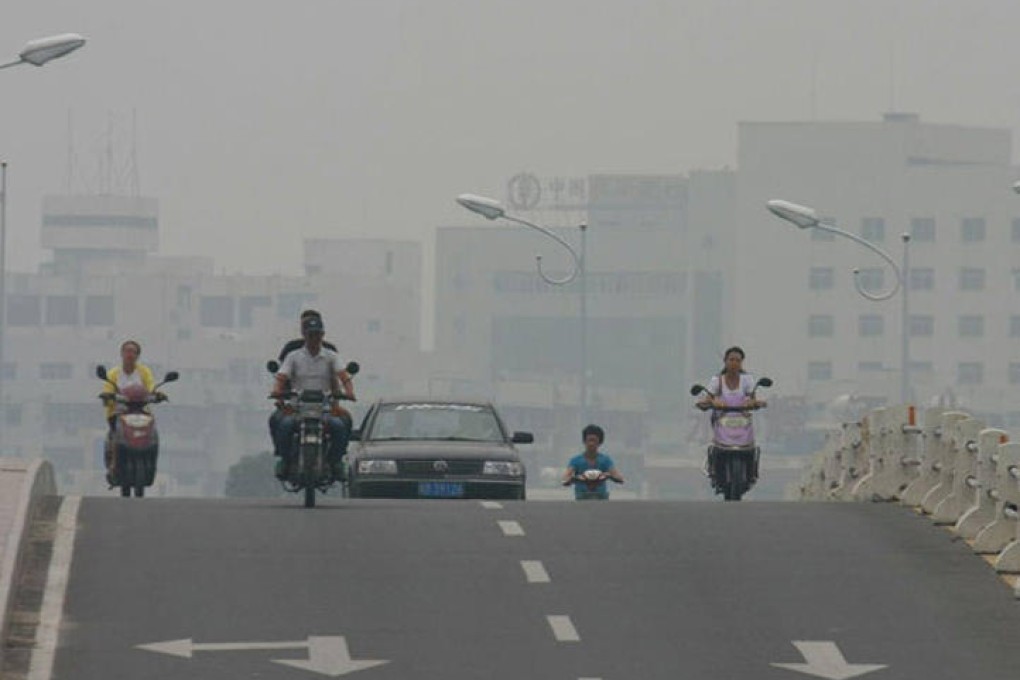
312,324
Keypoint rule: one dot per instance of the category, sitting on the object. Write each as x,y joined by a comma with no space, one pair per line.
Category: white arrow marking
327,655
824,660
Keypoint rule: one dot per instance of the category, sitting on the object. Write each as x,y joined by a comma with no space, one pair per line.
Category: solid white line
534,571
48,630
563,629
492,505
511,528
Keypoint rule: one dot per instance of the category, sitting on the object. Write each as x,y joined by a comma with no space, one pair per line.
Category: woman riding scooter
130,372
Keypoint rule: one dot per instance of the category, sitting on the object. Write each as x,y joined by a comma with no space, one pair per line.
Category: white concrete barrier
894,455
928,469
943,460
22,484
982,508
853,459
1008,490
962,479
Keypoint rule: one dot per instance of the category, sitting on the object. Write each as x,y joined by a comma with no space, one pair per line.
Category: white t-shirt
745,387
307,372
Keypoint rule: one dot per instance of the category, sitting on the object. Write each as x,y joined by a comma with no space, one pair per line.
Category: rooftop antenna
135,182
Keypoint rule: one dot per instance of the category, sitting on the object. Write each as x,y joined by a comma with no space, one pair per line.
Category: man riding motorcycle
313,367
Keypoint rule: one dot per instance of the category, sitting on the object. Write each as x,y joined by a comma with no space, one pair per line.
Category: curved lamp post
807,218
38,52
492,209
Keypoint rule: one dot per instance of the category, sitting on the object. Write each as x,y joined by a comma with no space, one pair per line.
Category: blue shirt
580,463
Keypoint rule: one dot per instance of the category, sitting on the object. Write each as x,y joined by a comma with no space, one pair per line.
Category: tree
252,477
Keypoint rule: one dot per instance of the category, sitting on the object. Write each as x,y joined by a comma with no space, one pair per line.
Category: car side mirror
272,366
523,438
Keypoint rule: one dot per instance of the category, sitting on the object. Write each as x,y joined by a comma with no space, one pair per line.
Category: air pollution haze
260,124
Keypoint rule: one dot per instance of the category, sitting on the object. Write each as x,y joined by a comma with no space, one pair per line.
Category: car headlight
505,468
377,467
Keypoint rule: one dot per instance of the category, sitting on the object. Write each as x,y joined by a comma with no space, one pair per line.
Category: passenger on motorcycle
131,372
313,367
732,387
591,459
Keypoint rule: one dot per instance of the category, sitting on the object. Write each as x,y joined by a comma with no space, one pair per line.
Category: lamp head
486,207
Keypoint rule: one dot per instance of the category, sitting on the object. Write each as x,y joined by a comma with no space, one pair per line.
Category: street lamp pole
806,218
493,209
3,296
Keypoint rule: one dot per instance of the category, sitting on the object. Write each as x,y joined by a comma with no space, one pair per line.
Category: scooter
733,456
592,480
133,446
310,469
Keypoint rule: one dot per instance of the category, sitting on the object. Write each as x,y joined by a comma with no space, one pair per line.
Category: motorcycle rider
298,343
312,367
130,372
731,387
591,459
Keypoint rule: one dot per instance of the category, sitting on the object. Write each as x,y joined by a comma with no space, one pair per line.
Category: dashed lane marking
492,505
563,629
511,528
535,572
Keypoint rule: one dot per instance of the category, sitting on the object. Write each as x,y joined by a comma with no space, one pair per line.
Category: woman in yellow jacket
130,372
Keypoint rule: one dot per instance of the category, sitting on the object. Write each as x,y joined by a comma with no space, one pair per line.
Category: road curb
29,480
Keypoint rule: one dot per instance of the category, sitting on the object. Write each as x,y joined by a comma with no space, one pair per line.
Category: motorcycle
733,456
133,446
592,480
310,469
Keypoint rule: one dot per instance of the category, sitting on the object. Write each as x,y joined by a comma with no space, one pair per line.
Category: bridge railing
947,465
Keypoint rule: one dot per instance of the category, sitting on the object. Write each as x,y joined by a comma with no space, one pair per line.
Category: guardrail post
1009,490
982,511
996,535
927,472
963,477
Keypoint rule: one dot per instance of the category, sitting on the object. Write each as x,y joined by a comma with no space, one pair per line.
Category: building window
246,307
871,279
873,229
922,230
1016,279
972,229
922,278
1014,234
184,297
99,310
24,310
821,278
12,417
1014,326
374,325
972,278
917,367
819,370
970,373
870,325
1014,373
870,366
820,326
971,326
288,305
216,311
9,371
389,262
55,371
184,334
921,325
61,310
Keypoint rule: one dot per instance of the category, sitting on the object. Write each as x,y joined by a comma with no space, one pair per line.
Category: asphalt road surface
528,590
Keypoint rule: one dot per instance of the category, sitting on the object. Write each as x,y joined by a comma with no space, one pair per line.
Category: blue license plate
441,489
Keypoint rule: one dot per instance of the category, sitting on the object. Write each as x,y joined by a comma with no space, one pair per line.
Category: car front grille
434,467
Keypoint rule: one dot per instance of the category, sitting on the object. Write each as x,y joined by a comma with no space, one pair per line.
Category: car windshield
426,420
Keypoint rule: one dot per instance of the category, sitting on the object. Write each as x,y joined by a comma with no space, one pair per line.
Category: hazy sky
259,124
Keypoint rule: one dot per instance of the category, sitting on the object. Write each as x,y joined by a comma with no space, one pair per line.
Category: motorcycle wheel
309,496
139,491
736,471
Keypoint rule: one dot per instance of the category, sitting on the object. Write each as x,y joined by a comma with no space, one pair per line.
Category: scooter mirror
171,376
765,382
697,389
352,367
101,372
272,366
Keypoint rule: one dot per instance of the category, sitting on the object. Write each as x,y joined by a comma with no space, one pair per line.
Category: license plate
441,489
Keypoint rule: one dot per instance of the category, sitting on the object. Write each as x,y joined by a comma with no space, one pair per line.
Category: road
537,590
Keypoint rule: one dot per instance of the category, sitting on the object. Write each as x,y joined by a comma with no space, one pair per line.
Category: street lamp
38,52
492,209
807,218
